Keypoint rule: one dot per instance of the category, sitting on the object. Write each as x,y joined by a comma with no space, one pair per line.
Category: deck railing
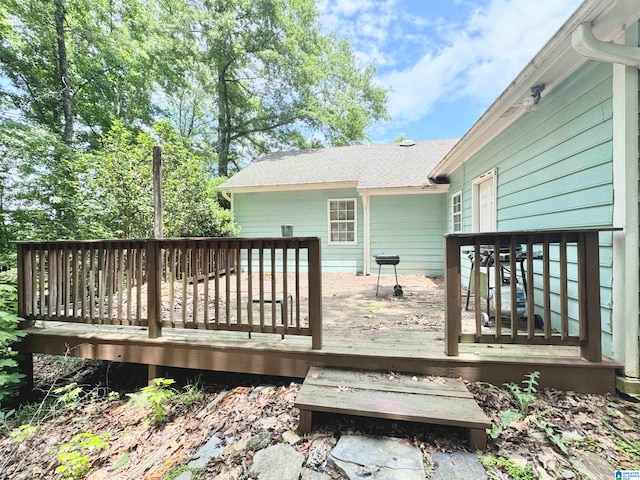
560,288
267,285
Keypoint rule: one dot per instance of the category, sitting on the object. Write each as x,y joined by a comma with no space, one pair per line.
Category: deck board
442,401
418,352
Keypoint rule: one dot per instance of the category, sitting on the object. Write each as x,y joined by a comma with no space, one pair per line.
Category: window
342,221
456,212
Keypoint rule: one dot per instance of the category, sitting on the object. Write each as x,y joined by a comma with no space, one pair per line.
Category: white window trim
355,221
475,189
454,214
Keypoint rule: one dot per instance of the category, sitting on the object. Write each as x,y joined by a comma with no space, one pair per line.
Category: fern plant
9,335
524,396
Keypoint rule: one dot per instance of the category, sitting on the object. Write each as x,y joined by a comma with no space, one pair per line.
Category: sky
444,61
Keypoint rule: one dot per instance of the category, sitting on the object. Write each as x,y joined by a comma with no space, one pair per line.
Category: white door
486,205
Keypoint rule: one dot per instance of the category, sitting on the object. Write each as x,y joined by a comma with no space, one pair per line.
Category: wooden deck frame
90,281
588,281
95,335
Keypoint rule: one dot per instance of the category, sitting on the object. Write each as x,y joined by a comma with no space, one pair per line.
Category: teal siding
411,226
262,214
554,170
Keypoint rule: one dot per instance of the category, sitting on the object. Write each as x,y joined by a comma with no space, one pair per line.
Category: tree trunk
67,136
224,124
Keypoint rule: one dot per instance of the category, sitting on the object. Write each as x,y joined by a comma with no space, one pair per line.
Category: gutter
586,44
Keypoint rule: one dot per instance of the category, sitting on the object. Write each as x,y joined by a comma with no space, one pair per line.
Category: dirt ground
559,434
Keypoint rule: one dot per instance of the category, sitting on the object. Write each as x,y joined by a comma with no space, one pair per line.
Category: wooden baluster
477,297
298,285
130,272
261,260
140,249
173,260
92,284
227,277
285,292
315,294
238,269
564,298
206,261
41,267
120,282
274,322
530,292
546,277
497,286
513,288
195,253
216,284
185,275
250,287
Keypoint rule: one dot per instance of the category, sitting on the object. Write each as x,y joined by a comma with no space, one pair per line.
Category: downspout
366,202
626,61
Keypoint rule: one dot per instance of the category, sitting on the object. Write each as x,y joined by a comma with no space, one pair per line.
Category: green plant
507,465
506,418
552,436
197,473
73,456
9,335
68,396
192,394
155,397
21,433
524,397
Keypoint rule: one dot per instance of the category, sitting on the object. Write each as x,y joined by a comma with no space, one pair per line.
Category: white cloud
430,60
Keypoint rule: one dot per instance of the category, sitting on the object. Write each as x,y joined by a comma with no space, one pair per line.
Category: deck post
21,281
154,292
453,299
591,347
315,294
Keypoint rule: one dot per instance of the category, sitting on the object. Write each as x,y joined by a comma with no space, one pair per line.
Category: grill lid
387,259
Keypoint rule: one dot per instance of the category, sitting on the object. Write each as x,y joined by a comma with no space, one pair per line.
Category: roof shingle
367,166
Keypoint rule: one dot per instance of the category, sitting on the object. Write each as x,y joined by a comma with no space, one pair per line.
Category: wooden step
437,400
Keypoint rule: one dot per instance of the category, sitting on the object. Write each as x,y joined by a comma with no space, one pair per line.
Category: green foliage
155,398
552,436
196,473
69,396
9,335
524,397
73,456
508,466
192,394
21,433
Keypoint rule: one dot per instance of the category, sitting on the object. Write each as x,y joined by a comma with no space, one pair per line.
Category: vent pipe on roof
587,45
407,143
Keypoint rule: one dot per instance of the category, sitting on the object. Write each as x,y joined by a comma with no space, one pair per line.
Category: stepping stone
278,462
457,466
377,458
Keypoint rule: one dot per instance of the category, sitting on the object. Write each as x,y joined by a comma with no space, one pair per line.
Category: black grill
389,259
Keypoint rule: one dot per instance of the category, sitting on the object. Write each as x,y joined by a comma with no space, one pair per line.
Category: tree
271,73
121,182
81,61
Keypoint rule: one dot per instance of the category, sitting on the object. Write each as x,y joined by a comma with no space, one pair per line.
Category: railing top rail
463,235
241,240
523,236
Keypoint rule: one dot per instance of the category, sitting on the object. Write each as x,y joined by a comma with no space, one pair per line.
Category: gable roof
553,64
388,166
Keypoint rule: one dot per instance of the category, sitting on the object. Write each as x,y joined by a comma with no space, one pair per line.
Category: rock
567,474
290,437
317,455
308,474
572,436
457,466
592,465
213,448
260,441
230,474
376,458
278,462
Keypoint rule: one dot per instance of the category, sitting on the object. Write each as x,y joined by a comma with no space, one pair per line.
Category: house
360,200
559,149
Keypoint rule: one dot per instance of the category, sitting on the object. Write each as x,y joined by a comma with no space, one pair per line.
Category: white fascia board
552,65
430,189
288,187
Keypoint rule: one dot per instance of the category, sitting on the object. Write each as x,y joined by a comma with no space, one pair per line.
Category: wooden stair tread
373,394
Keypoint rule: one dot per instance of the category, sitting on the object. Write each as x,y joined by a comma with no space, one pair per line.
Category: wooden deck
435,400
394,350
